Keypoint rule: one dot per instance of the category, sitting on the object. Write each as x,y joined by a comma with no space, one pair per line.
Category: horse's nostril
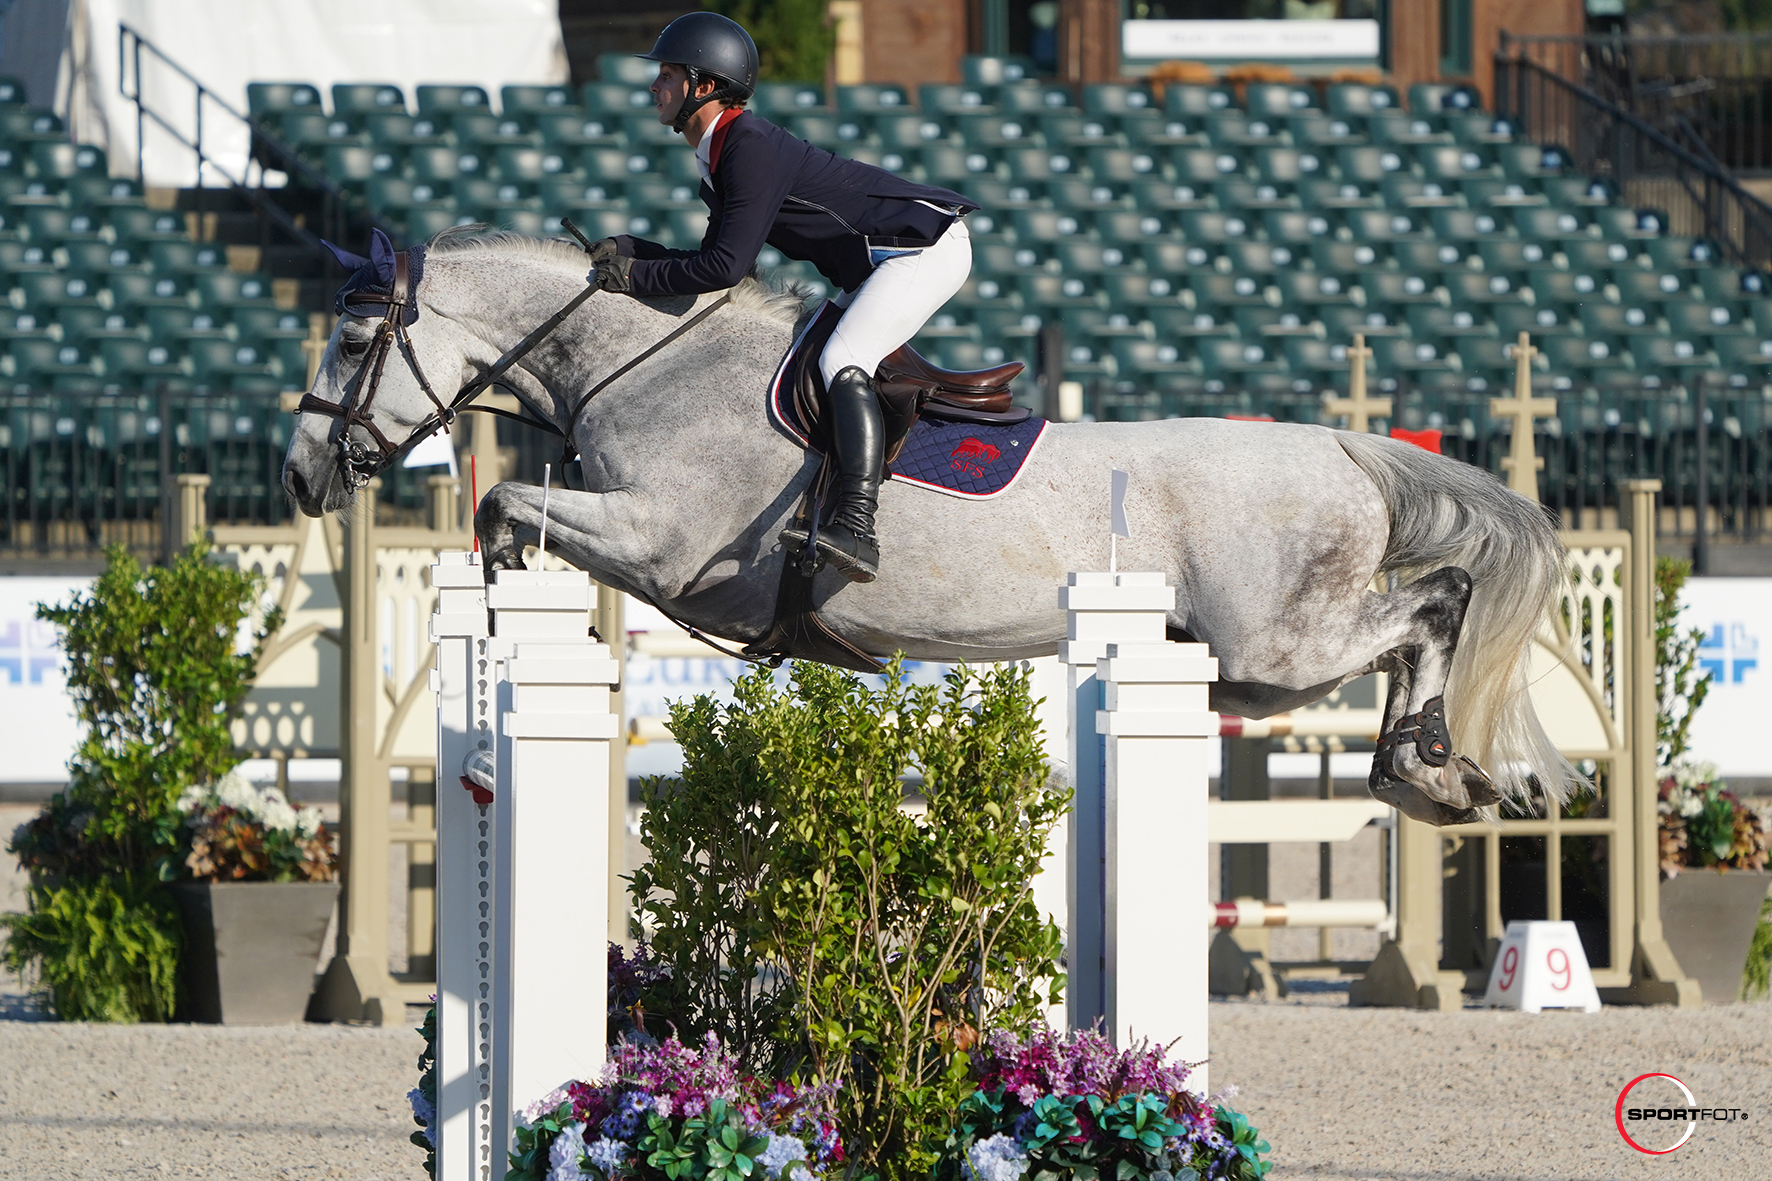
297,487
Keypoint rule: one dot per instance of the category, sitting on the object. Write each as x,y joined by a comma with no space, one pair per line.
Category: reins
356,462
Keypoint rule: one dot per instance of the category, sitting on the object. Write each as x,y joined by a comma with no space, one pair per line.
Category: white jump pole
1141,728
462,681
523,717
554,730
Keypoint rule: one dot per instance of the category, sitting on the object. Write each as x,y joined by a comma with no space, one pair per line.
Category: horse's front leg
591,531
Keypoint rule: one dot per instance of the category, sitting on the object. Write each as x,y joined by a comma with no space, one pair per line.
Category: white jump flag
1119,525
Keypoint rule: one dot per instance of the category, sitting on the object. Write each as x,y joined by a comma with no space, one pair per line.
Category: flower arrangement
239,832
1703,825
671,1112
1052,1107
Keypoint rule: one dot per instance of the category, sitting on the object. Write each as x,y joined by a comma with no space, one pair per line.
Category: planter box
1708,919
251,949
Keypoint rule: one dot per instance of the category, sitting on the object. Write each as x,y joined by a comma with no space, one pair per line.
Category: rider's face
669,90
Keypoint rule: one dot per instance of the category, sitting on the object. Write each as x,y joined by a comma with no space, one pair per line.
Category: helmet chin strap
692,104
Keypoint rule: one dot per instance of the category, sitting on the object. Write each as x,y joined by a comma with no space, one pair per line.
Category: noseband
358,463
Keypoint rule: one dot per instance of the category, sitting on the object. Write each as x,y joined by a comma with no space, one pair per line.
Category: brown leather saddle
909,386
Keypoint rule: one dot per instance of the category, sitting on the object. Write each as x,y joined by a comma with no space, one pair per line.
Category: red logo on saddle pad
971,456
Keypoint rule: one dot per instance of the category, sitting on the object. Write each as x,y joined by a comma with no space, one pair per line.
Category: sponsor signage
1734,617
34,698
1250,40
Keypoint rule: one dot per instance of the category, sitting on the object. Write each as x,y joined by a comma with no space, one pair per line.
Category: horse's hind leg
1415,769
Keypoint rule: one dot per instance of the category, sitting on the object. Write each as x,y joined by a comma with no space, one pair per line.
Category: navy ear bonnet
371,283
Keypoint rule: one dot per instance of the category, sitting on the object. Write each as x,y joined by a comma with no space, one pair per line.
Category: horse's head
384,380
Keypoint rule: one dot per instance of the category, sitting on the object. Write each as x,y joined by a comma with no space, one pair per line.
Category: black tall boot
859,443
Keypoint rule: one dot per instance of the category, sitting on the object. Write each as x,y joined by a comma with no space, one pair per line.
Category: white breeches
895,301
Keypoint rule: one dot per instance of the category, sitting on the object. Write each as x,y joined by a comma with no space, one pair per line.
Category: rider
896,250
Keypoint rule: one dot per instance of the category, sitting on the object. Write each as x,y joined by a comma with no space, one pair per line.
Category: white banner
1735,615
1249,40
227,43
40,728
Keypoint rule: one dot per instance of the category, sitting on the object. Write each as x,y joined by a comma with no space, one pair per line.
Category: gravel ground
1342,1095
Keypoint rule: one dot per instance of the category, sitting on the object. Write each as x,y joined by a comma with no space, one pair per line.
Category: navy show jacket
771,187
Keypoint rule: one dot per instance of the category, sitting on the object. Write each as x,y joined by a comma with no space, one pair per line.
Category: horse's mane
785,303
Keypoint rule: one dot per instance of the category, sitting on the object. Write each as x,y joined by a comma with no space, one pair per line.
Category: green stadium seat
1477,128
1322,131
1159,133
1400,131
1287,165
1077,257
1238,130
1356,100
625,69
1164,196
1398,288
536,100
575,129
1433,98
1032,98
442,102
12,92
181,321
62,160
1237,195
396,193
1611,319
1745,352
1647,288
1528,161
1310,289
1692,320
614,99
163,288
27,125
23,258
1619,223
397,131
1725,284
1206,228
983,70
134,358
1183,101
1547,225
350,98
1594,255
1425,256
1240,358
1226,291
645,132
1133,292
535,164
1070,130
1343,258
1278,99
1038,164
1571,192
272,100
1476,287
1114,99
1384,225
1466,225
1296,228
1204,166
1675,252
1367,165
487,131
1137,357
1511,254
1171,321
867,100
1321,362
309,133
1450,164
1095,324
214,361
1088,195
1122,165
1325,193
1005,258
773,100
1542,320
33,325
353,166
962,168
222,288
96,257
1454,324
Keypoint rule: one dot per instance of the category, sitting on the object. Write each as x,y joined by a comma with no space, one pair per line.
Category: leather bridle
357,462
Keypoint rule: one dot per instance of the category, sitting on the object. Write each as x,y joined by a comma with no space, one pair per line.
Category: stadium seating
1203,253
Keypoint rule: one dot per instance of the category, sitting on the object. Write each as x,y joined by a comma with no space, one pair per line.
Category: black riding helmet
708,45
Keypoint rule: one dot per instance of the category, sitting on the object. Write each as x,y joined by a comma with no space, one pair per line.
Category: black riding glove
604,248
611,273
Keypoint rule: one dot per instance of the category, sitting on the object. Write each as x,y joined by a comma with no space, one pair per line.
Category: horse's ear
381,255
347,260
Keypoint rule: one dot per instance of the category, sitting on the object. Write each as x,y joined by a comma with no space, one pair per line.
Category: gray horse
1273,534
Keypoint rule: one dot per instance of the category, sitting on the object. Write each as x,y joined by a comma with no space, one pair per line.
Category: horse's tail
1447,513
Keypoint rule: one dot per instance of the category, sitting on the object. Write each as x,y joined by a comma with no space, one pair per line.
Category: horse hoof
505,562
1416,804
1472,780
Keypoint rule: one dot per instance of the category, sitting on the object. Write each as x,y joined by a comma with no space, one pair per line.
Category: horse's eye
353,349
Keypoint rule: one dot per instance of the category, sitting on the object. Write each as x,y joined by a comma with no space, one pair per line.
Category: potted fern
256,911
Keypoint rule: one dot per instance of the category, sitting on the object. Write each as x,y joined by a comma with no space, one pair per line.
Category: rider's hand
602,249
612,273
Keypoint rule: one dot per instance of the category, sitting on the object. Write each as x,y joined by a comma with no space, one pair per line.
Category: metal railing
1650,170
1710,93
84,471
340,212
